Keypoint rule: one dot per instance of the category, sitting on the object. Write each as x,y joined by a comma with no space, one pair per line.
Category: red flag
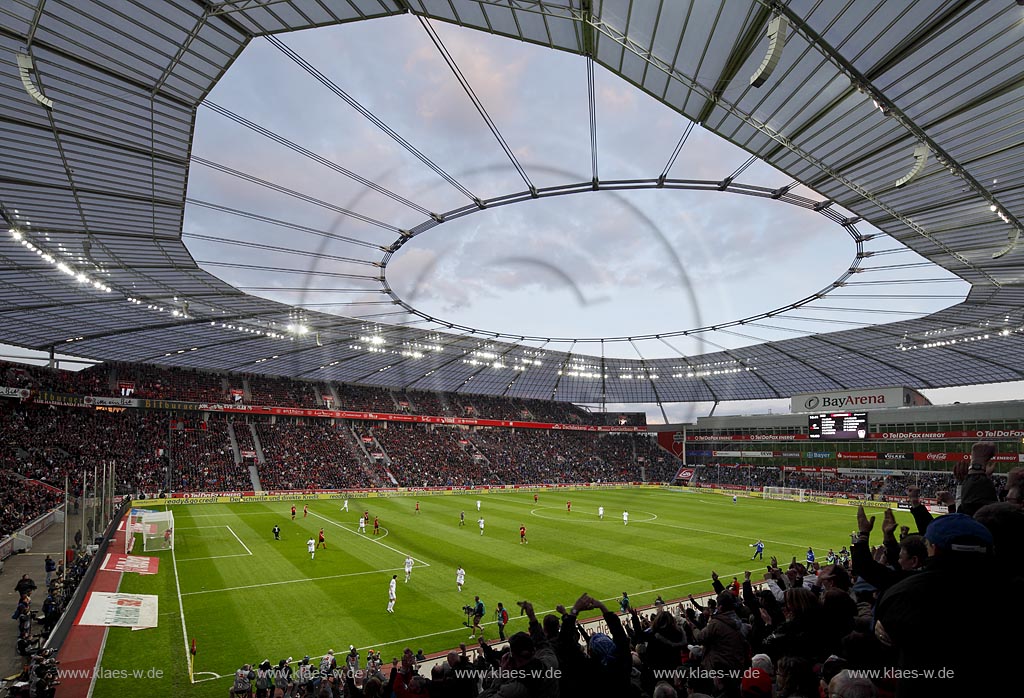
193,648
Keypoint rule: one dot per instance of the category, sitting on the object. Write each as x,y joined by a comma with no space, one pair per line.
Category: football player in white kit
392,593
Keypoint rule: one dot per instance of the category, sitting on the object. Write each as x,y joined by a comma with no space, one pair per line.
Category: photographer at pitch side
529,669
478,614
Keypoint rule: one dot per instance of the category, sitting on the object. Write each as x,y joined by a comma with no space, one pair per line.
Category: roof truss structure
860,94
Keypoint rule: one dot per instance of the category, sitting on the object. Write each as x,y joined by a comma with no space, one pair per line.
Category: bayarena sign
874,398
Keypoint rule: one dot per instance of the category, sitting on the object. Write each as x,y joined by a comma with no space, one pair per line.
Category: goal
134,526
158,531
793,494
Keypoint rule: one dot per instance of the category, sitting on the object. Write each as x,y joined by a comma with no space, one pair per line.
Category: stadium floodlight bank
157,531
792,494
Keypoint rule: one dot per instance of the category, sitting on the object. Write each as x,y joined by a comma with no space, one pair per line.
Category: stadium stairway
254,477
50,543
236,452
257,444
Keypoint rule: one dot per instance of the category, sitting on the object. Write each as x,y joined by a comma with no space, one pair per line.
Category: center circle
616,263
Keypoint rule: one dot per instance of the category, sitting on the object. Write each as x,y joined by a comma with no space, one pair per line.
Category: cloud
588,264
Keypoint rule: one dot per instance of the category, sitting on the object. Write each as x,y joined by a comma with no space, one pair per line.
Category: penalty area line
293,581
238,539
383,545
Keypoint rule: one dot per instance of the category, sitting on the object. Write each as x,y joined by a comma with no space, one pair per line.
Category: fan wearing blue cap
921,617
604,671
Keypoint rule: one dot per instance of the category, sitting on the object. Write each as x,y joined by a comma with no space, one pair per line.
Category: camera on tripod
470,612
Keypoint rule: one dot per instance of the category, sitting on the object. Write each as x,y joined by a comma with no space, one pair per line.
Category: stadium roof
911,120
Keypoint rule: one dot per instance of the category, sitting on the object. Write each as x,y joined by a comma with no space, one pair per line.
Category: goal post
792,494
134,526
158,531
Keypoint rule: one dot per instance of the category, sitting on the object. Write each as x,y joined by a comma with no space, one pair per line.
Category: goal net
793,494
134,526
158,531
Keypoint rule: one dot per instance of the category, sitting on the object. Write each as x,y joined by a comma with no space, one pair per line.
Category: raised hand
960,470
888,523
863,522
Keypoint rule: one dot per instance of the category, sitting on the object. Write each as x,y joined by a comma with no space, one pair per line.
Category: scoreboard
838,426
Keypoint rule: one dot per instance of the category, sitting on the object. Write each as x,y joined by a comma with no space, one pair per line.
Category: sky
588,265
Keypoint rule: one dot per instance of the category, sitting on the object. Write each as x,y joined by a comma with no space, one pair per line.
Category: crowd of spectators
377,464
313,455
48,443
282,392
423,456
159,451
825,482
245,441
929,483
658,465
118,379
545,456
491,407
201,458
556,412
744,476
359,398
833,483
430,403
23,500
94,380
170,383
161,383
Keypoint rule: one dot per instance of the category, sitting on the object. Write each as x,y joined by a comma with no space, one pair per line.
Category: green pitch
246,597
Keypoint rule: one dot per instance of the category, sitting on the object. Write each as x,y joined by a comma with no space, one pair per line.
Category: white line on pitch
193,528
718,533
211,673
293,581
235,513
238,539
181,606
384,545
213,557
